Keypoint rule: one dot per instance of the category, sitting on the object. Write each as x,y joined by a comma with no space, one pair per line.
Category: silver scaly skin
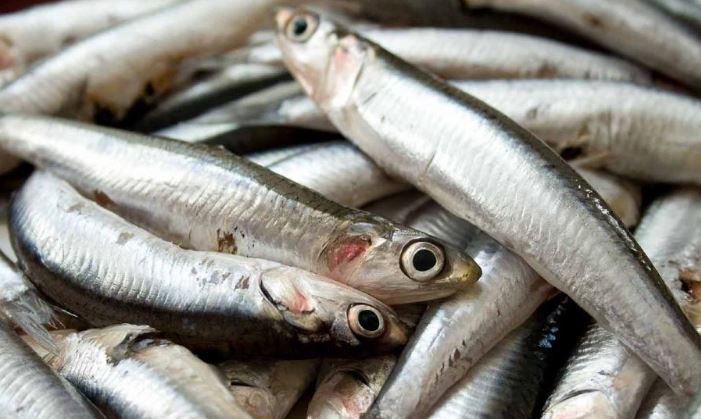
205,198
485,168
603,377
629,27
661,403
685,10
37,32
216,301
630,130
508,292
463,54
340,172
133,374
30,390
346,388
274,155
268,389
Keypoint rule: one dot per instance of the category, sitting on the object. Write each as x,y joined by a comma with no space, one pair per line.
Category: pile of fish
343,209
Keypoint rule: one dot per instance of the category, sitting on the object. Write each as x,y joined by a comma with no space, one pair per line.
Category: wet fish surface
389,109
210,199
629,27
30,390
132,373
214,301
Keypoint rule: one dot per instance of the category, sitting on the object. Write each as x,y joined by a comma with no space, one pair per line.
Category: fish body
30,390
630,27
460,151
205,198
221,302
346,388
603,377
268,389
132,373
684,10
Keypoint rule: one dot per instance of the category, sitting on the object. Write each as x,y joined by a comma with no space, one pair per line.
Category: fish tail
28,311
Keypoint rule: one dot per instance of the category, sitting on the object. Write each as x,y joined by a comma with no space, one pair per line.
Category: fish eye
301,27
422,261
365,321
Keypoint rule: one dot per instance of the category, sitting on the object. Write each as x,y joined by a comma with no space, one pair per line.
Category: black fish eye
301,27
368,320
424,260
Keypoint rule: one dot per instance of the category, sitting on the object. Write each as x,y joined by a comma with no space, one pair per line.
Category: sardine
473,161
131,372
347,388
226,303
661,403
506,295
603,378
30,390
340,172
511,379
229,84
630,130
629,27
40,31
105,75
267,389
205,198
462,54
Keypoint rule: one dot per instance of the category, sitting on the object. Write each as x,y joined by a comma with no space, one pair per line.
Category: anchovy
222,302
630,130
40,31
346,388
508,292
461,152
462,54
133,373
511,379
30,390
629,27
224,86
603,377
205,198
340,172
268,389
104,75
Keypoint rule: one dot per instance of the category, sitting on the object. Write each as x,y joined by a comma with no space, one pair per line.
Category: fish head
321,310
397,264
324,57
345,393
249,384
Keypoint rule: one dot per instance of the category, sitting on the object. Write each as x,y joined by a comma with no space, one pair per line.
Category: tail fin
22,306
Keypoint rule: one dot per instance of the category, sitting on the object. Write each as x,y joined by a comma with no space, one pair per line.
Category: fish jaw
590,404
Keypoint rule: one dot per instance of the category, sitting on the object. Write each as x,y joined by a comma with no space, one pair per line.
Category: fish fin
592,161
28,311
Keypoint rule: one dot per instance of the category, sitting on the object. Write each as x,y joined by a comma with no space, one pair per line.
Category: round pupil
368,320
299,26
424,260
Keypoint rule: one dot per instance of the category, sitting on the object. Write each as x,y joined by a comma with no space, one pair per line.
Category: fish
340,172
661,403
221,87
473,161
212,200
683,10
40,31
633,131
465,54
105,76
603,377
280,104
631,28
506,295
269,157
268,389
218,302
132,372
30,389
346,388
21,305
511,379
